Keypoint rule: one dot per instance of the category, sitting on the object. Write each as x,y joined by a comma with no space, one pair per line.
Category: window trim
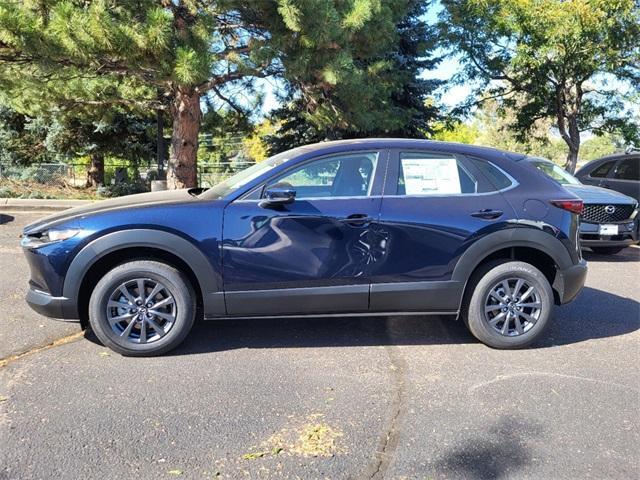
393,173
379,174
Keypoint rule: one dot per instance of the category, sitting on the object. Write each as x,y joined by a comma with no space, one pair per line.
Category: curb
29,204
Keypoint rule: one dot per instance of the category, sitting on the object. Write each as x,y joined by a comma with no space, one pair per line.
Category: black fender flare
209,279
531,237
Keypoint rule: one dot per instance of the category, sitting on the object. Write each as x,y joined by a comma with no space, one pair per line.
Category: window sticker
431,176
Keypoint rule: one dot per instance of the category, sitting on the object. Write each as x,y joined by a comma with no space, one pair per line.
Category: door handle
357,219
487,214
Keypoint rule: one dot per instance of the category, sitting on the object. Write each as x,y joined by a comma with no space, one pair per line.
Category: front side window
628,169
603,170
338,176
433,174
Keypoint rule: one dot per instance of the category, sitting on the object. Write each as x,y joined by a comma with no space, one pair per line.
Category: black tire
607,250
482,283
177,290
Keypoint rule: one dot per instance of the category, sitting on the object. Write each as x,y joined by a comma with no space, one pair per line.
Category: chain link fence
75,174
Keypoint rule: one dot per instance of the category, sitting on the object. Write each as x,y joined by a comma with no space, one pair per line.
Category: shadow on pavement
322,332
499,453
594,314
629,254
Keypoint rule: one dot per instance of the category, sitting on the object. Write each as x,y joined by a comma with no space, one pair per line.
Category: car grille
596,213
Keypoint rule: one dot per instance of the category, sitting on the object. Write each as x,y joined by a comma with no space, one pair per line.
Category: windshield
559,174
245,176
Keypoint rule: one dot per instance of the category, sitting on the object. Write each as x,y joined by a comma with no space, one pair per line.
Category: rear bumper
569,282
54,307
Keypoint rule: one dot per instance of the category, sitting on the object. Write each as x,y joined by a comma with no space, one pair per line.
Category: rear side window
433,174
497,177
603,170
628,169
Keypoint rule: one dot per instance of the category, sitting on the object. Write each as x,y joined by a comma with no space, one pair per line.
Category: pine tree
77,54
399,101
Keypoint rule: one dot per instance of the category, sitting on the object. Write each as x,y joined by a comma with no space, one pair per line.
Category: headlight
47,237
635,212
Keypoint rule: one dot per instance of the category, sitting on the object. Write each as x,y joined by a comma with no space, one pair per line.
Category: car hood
128,201
591,194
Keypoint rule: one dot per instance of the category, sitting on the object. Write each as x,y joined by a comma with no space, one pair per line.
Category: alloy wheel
512,307
141,310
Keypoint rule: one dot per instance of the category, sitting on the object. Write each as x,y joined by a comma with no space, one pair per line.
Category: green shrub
6,192
122,189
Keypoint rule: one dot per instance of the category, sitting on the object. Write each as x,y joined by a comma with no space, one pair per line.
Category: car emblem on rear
610,209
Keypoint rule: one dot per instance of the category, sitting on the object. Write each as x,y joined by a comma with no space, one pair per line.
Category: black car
619,172
609,220
358,227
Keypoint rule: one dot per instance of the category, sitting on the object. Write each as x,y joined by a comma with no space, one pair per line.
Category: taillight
573,206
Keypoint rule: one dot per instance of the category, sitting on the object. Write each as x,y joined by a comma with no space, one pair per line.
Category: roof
412,143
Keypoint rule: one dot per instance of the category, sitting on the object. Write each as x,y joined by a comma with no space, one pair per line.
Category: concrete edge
28,204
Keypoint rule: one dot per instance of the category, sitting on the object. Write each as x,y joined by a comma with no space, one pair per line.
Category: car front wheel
142,308
509,304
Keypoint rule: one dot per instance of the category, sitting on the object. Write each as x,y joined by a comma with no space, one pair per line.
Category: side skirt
333,315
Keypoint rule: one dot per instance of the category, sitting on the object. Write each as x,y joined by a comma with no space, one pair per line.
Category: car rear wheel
508,305
607,250
142,308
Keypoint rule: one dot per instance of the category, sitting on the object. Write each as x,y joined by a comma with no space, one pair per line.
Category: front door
309,256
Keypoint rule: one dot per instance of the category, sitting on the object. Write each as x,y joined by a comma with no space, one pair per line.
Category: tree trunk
95,172
160,143
574,145
572,161
185,112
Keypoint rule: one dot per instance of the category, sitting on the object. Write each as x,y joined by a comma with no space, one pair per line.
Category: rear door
625,178
434,206
310,256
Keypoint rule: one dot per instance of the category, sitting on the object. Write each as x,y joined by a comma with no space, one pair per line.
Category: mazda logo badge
610,209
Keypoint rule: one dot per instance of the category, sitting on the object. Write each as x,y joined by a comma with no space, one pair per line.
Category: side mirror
275,196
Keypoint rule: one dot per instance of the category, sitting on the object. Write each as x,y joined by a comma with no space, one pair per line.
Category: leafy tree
170,54
565,60
459,132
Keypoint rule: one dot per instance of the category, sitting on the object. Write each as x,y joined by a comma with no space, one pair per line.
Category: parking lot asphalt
395,398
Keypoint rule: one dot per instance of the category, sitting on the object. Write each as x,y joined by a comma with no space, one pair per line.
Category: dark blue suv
358,227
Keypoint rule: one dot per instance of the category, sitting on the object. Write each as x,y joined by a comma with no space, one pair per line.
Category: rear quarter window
498,179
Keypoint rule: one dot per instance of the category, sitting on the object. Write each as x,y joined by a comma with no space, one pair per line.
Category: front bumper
569,282
590,235
54,307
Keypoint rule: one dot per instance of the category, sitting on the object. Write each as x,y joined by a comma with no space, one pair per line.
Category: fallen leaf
175,472
253,456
